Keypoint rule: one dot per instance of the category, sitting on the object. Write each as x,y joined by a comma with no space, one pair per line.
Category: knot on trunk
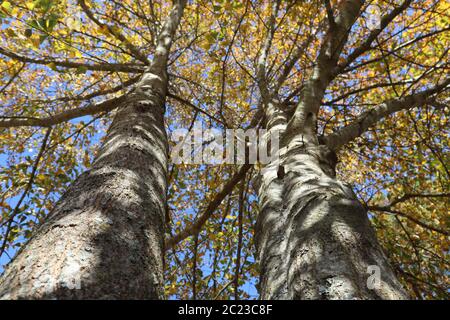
144,100
149,92
326,158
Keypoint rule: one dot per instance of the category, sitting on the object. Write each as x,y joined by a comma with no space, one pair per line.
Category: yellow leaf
6,5
30,5
104,29
35,41
11,33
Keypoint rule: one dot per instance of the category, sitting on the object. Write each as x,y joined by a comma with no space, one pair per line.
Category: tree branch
191,105
305,116
115,67
373,116
416,221
261,75
408,196
11,80
25,192
98,93
392,52
63,116
330,16
195,227
115,32
165,38
366,45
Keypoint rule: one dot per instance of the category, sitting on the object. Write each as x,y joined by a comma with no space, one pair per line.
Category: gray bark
104,238
314,238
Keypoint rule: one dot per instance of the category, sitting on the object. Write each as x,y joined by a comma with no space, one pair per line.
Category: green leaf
51,22
42,38
45,5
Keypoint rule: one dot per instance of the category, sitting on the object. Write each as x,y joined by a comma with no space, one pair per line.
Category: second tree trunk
313,236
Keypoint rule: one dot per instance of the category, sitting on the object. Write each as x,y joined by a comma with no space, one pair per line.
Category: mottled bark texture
104,238
314,238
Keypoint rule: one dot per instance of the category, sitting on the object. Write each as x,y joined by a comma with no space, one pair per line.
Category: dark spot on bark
141,107
321,140
281,173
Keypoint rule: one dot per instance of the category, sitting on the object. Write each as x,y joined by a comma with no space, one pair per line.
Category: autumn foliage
65,66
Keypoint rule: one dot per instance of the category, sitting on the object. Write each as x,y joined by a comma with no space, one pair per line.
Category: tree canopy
66,65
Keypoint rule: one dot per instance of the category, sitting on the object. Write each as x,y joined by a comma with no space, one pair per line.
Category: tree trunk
104,238
313,236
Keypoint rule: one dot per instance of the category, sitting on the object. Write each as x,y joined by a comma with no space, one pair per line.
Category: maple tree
89,89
